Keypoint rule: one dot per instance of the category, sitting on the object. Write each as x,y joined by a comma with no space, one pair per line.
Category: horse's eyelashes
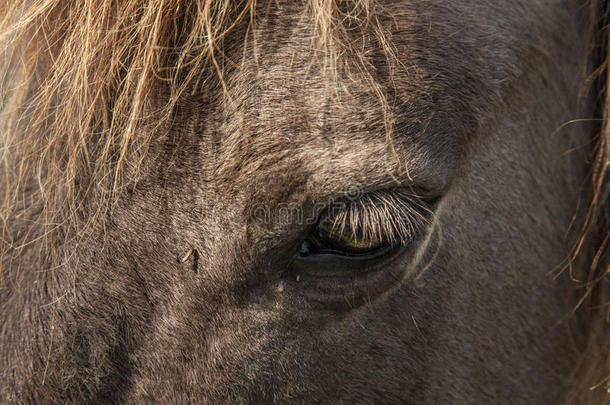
375,221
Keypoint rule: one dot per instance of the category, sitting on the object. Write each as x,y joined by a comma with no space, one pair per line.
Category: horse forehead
288,125
298,133
283,156
285,121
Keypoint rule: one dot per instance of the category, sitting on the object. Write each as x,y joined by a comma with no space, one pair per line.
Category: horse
326,201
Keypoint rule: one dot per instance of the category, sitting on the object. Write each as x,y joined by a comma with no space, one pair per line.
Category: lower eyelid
334,265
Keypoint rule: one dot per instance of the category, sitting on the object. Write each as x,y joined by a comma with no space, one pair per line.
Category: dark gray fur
480,93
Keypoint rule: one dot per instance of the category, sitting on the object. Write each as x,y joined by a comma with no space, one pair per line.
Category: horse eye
343,240
353,251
